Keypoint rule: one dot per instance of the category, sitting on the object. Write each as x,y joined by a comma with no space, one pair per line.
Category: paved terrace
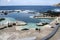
13,34
57,35
47,30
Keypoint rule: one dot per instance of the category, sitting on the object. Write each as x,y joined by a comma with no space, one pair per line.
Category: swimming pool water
31,22
7,19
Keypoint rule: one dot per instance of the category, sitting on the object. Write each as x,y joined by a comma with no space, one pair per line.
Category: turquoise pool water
31,22
30,25
34,25
8,19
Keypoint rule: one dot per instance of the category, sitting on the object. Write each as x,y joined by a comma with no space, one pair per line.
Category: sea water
31,22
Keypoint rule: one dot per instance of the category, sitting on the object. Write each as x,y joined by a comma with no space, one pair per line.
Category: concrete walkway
13,34
56,36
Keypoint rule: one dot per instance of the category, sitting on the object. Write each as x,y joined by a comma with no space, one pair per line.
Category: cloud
28,2
8,0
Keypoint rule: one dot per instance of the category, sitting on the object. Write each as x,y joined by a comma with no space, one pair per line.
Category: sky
28,2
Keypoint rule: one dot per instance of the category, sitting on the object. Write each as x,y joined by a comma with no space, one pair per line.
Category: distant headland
58,4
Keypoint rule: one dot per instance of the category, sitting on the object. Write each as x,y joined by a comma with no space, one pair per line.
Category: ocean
35,8
26,17
31,22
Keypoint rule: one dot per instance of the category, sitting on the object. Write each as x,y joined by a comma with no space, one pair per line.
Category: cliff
58,4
